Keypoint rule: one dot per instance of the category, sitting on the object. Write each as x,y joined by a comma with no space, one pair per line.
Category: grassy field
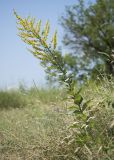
34,124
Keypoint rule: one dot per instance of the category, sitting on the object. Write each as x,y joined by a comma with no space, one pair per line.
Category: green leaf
77,111
74,111
85,105
78,99
77,93
72,107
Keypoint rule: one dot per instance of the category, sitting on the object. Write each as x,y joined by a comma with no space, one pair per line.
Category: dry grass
34,131
37,131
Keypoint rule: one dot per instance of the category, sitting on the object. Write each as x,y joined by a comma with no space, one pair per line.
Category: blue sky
16,63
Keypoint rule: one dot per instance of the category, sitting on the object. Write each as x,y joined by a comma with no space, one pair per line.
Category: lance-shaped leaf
78,99
85,105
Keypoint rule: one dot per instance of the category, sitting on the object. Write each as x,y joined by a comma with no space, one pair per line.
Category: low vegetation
46,129
12,99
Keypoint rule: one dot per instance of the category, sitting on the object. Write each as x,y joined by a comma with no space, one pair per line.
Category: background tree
89,33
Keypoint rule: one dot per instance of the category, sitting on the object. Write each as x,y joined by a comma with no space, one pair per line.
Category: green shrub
46,95
11,99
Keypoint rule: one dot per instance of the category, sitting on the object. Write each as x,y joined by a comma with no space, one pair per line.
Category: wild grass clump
18,98
46,95
11,99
